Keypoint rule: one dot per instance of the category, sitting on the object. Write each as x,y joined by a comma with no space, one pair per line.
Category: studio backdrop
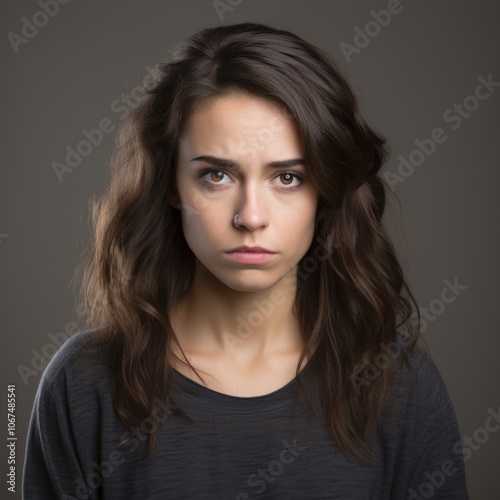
427,74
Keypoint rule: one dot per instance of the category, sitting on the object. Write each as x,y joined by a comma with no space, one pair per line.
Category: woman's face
223,169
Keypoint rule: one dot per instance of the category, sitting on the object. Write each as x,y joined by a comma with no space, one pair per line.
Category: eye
213,176
288,178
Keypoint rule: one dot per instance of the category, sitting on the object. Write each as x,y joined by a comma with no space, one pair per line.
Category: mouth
250,250
250,255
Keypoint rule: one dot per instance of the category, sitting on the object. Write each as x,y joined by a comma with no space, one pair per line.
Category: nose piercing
235,220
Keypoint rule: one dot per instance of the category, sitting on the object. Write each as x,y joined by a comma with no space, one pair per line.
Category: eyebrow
223,162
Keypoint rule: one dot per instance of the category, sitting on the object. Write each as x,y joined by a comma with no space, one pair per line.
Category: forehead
240,121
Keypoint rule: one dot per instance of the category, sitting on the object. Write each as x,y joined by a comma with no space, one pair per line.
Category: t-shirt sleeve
52,467
432,463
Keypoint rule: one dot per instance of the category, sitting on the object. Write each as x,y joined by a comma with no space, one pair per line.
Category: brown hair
349,304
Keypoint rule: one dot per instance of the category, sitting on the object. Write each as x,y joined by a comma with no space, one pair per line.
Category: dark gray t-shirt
239,447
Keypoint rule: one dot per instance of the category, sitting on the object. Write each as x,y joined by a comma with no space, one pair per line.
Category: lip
246,248
250,255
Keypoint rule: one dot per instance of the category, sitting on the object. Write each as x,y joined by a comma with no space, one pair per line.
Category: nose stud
235,221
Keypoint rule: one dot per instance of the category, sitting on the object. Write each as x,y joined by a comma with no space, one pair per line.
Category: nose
251,209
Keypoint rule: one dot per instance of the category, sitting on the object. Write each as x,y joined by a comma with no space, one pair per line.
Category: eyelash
211,185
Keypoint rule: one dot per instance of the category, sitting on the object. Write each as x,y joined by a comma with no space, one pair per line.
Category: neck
214,318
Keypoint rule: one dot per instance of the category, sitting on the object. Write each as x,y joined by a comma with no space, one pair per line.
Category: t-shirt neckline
279,394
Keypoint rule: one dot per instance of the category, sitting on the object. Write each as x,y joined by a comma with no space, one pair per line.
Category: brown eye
287,178
216,175
214,178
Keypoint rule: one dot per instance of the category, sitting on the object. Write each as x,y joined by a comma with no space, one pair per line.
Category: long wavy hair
350,304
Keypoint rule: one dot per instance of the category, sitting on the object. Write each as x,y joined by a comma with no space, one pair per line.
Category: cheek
199,205
204,229
306,221
193,205
302,219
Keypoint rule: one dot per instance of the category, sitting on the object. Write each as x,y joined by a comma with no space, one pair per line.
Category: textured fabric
239,447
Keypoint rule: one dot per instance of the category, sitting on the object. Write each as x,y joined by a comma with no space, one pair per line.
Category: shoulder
421,381
75,390
419,401
80,362
424,437
71,420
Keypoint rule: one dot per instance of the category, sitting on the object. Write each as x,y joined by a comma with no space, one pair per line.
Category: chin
250,283
243,280
246,286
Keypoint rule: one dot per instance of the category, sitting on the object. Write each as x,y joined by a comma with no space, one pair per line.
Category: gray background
425,60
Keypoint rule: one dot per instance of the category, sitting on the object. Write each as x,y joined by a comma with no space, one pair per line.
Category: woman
248,324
